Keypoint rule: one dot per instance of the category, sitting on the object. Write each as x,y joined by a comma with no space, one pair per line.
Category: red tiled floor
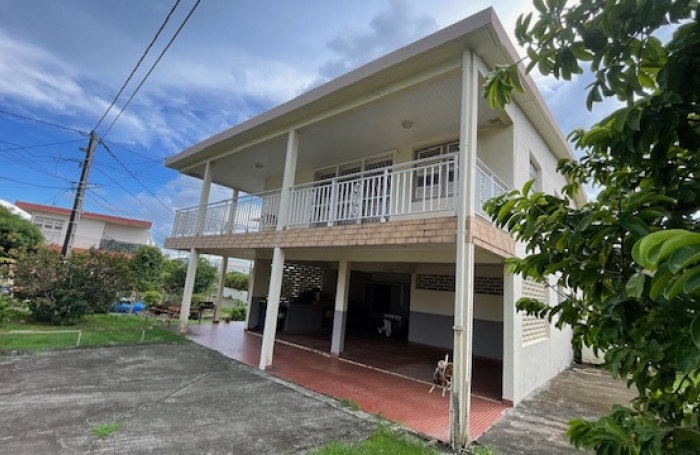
397,356
398,399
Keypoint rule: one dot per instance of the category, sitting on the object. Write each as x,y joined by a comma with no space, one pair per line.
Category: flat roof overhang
482,32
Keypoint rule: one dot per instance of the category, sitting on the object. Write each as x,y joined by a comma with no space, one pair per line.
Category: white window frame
51,228
444,187
535,173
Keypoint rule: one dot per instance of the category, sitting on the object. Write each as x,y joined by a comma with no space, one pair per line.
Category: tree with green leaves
630,256
147,268
176,272
237,280
17,235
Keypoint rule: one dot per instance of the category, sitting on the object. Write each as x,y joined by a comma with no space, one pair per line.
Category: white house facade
94,230
363,212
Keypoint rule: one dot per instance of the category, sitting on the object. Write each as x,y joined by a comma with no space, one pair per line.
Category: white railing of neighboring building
421,186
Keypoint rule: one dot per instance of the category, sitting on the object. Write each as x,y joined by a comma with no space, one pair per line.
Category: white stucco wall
88,234
494,149
527,367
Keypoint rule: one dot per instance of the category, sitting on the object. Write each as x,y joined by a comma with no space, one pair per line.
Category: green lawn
382,441
97,330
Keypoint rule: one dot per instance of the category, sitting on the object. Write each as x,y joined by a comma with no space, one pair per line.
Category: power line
167,46
43,122
133,71
114,209
140,155
23,161
36,146
36,185
134,176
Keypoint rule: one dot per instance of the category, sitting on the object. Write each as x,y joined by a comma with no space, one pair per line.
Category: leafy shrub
62,308
238,302
152,298
238,313
61,291
7,303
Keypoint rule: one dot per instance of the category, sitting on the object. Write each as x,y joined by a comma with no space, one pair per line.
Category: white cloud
388,30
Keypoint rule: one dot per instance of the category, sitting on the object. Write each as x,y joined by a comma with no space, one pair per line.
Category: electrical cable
36,185
138,64
136,178
167,46
43,122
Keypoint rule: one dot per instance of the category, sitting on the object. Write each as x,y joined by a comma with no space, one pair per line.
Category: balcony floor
397,398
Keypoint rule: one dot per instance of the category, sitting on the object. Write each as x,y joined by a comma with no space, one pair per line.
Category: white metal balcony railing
488,186
422,186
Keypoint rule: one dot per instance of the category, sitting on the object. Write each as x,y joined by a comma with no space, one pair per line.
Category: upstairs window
435,178
535,175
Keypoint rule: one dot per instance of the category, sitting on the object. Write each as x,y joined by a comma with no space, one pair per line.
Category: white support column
204,198
231,221
460,403
273,306
187,293
341,308
251,286
290,169
512,285
220,291
194,254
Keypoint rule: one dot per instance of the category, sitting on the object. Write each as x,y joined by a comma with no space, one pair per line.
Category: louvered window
435,178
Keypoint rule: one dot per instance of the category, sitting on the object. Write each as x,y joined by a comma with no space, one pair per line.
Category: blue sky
64,61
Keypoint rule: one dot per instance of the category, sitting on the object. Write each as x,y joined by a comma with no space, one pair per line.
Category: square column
220,290
512,291
341,308
194,254
273,306
187,293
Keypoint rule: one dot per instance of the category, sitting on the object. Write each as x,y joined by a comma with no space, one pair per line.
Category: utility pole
79,196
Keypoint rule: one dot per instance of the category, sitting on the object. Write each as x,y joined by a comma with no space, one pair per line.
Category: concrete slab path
174,399
538,424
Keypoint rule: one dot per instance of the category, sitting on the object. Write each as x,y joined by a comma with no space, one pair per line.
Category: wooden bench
171,311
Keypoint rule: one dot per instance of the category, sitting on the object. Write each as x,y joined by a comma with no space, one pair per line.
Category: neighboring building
95,230
15,210
367,192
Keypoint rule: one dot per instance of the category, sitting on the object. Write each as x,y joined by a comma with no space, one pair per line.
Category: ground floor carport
414,300
395,396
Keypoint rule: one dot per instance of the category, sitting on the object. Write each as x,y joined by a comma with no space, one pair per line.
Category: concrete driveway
538,424
174,399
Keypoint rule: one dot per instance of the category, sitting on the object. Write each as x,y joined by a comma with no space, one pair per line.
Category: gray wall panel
436,330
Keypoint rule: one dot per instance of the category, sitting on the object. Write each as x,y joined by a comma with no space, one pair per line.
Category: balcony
403,191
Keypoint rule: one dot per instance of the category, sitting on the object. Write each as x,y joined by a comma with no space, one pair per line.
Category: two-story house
94,230
363,197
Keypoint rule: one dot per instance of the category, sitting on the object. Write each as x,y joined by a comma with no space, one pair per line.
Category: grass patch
484,450
382,441
97,330
102,431
350,404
